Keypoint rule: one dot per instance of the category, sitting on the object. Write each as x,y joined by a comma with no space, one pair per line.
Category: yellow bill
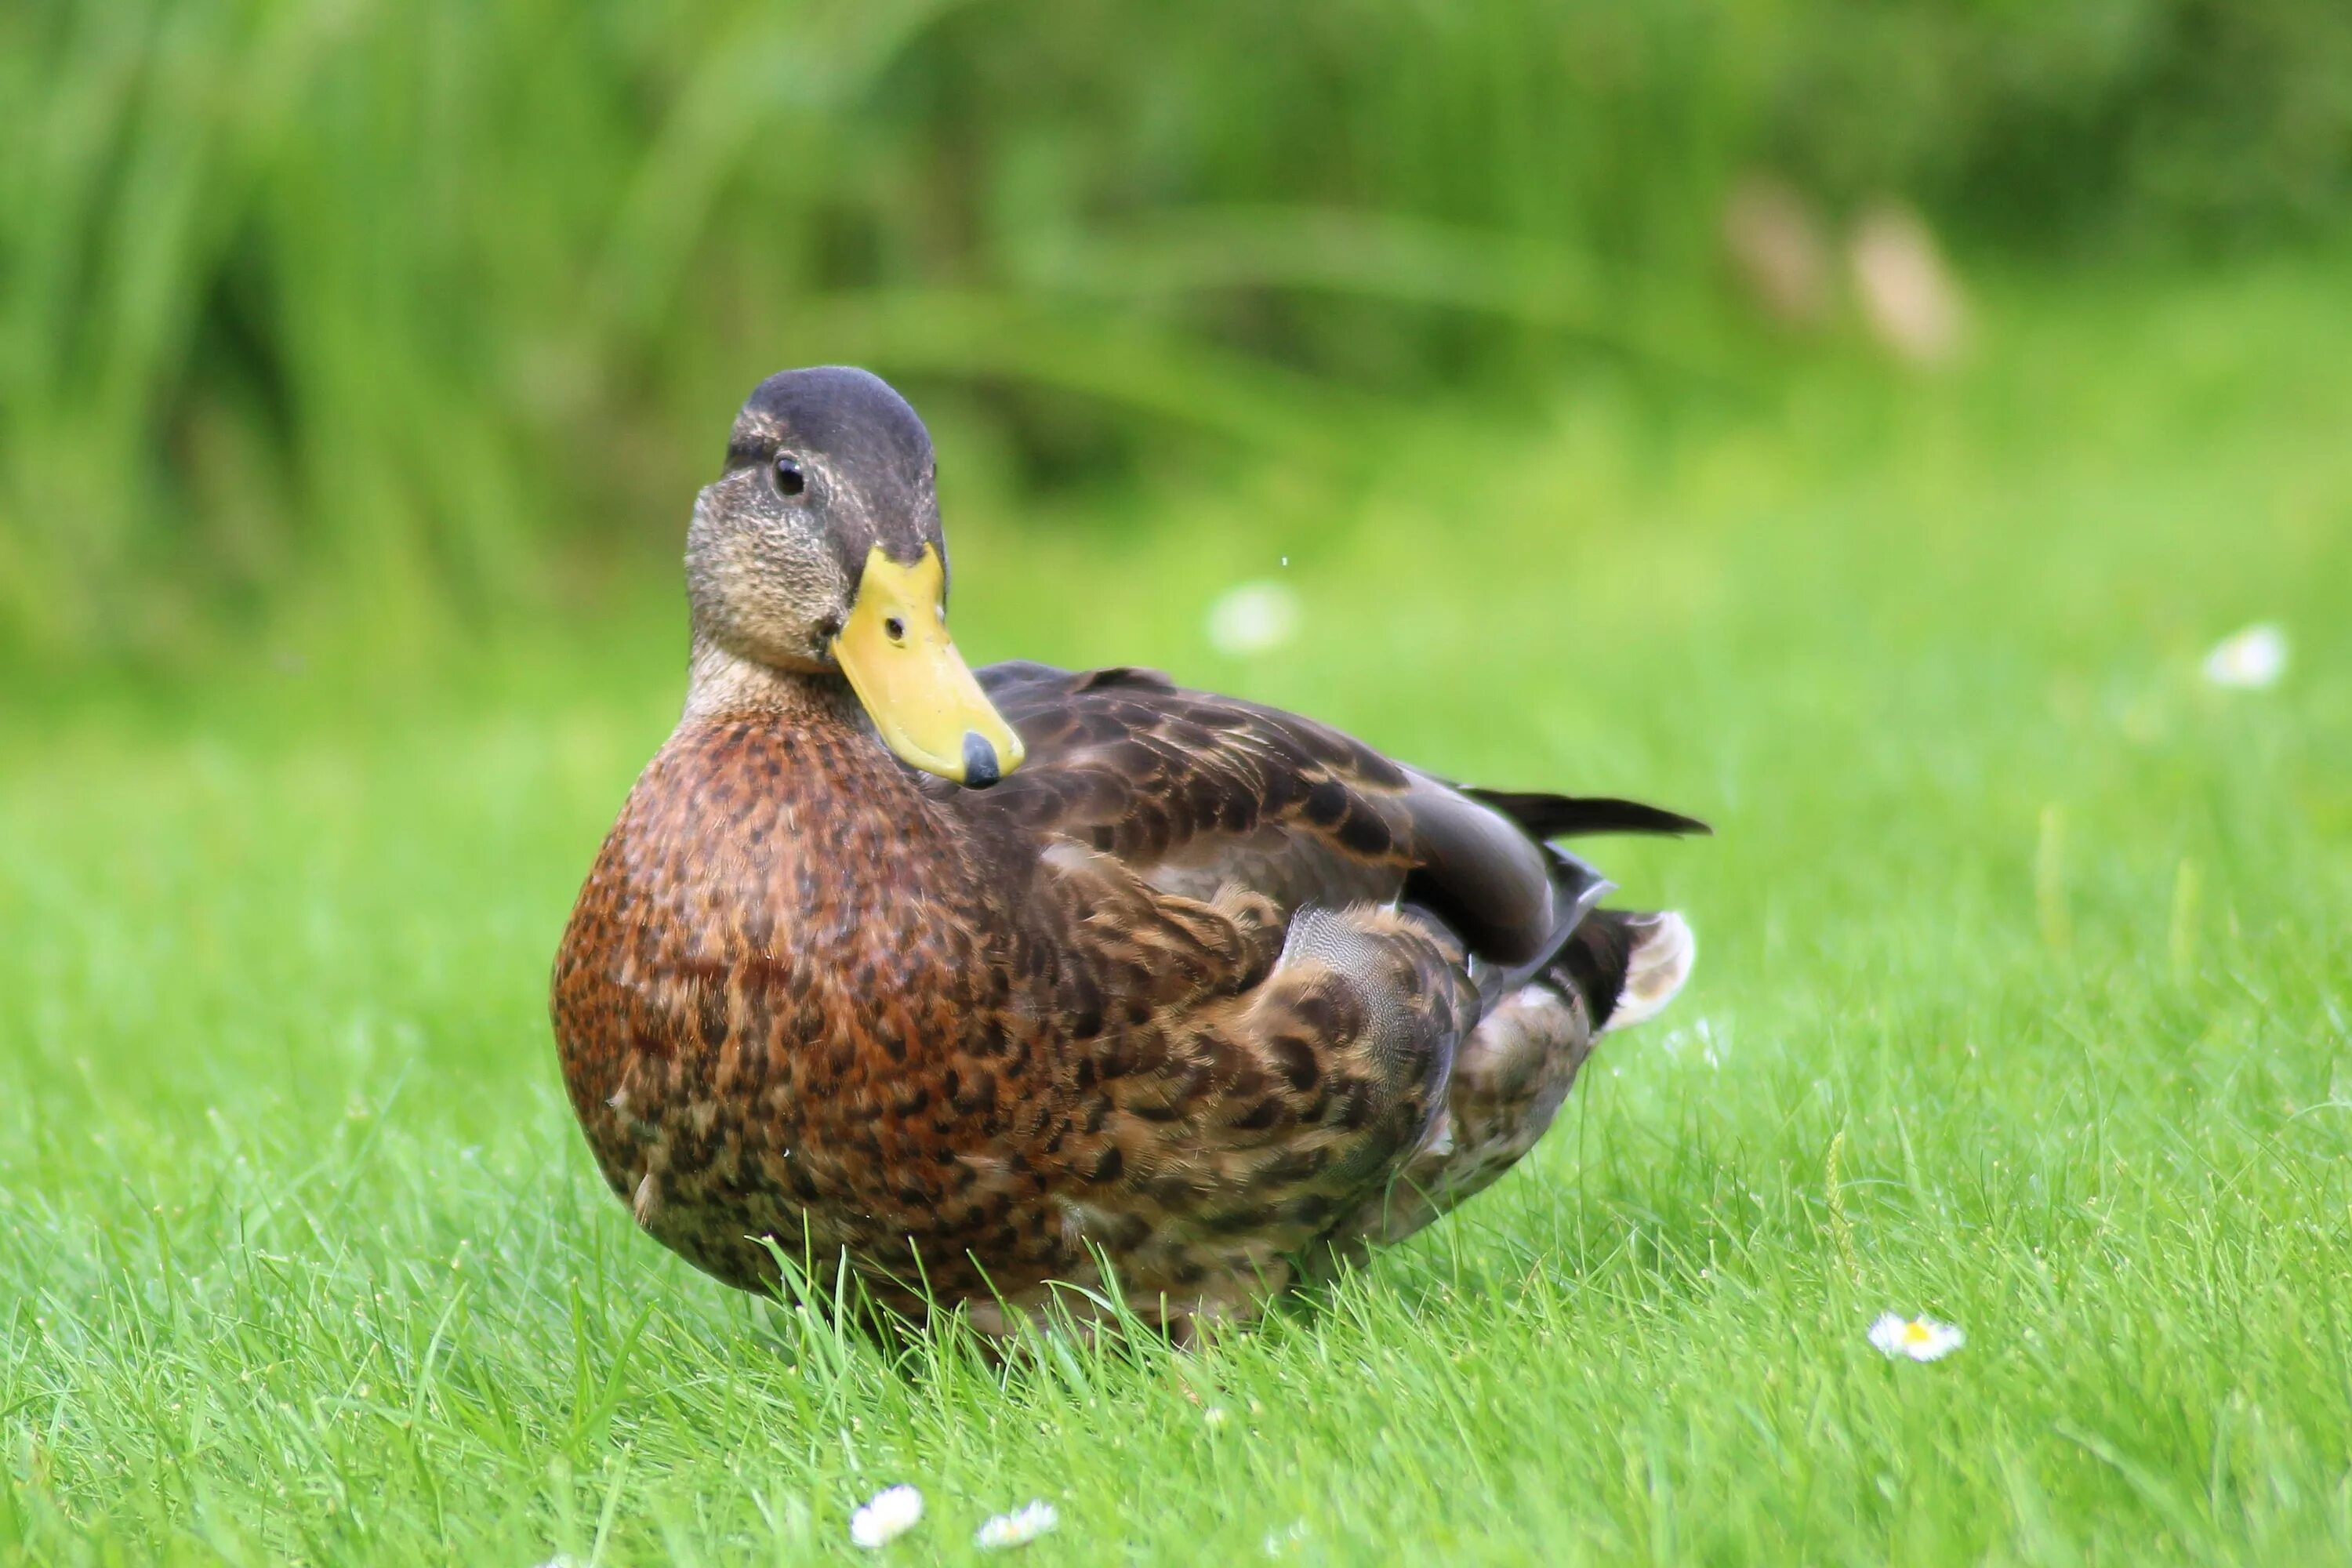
916,688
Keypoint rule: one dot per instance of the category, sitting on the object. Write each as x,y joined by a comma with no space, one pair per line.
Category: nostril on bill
980,768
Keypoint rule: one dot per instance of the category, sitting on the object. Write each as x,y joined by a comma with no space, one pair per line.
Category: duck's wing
1196,792
1306,936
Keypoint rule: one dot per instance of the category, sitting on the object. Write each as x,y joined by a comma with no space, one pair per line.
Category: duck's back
1444,970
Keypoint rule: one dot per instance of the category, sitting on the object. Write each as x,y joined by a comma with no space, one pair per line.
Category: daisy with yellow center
1019,1528
1921,1338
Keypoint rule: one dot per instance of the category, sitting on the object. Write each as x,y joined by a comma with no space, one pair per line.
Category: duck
1024,991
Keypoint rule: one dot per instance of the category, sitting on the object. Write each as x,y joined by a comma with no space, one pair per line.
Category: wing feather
1195,791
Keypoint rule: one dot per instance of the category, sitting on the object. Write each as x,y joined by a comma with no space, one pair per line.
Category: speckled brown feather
1196,791
977,1040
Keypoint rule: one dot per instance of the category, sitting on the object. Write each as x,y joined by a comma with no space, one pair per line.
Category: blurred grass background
396,316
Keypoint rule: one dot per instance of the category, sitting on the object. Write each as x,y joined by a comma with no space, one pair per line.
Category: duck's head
819,551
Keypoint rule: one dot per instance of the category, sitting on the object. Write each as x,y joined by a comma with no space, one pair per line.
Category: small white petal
1283,1543
2248,660
894,1512
1214,1416
1019,1528
1921,1338
1255,618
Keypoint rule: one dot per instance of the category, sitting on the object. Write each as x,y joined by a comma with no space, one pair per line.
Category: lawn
2021,1000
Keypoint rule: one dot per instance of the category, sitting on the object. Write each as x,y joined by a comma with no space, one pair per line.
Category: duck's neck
720,685
831,755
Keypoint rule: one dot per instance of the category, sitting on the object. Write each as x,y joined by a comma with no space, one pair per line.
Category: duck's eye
894,628
791,477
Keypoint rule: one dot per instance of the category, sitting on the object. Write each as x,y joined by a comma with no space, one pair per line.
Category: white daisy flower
1921,1338
1019,1528
2248,660
1255,618
894,1512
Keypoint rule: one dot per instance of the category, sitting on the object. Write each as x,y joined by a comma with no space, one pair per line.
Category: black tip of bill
980,768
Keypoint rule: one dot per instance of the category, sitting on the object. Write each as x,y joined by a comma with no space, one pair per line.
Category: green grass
2021,1000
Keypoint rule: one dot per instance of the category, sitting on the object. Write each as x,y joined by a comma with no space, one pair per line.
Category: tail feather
1568,816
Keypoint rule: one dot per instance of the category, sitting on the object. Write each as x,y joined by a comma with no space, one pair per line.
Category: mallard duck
993,982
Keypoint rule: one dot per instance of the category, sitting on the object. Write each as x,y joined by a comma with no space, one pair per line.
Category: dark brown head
819,550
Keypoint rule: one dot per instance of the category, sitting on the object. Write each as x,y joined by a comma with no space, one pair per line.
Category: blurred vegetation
445,302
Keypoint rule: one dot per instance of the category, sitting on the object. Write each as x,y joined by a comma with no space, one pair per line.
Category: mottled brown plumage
1200,989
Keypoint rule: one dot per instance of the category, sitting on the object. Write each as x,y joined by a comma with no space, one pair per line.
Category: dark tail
1627,964
1570,816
